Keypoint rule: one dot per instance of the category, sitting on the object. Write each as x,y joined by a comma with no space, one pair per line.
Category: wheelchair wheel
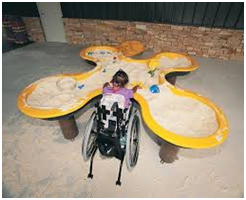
89,139
132,144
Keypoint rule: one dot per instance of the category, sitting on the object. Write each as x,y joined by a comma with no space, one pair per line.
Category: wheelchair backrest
112,107
109,99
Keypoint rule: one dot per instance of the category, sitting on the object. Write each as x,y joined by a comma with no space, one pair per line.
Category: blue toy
154,89
81,86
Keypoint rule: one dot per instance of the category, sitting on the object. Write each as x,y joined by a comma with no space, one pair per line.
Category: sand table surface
184,116
64,93
181,115
102,54
167,62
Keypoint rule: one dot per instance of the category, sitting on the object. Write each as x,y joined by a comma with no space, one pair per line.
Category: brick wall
196,41
34,29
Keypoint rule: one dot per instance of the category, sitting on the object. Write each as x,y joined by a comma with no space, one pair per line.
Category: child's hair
120,78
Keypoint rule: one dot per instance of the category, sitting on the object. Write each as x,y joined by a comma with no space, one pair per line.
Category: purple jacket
127,93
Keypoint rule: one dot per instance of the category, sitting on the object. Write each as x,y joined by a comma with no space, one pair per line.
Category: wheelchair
114,130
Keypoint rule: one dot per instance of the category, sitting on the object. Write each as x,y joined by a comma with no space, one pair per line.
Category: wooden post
168,152
69,128
171,79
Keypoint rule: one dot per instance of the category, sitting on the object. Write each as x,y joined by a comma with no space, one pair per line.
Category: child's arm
106,84
135,88
105,87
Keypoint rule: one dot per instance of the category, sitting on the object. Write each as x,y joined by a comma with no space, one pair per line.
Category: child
119,81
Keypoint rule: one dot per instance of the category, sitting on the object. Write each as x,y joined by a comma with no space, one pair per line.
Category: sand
180,115
102,54
166,62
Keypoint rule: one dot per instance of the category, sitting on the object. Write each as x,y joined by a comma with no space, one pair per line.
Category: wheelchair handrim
89,141
132,147
134,141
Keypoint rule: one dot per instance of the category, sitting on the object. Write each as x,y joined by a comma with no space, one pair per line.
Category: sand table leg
168,152
90,62
171,79
69,128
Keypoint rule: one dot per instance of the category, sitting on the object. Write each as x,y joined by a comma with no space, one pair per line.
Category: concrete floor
221,81
23,66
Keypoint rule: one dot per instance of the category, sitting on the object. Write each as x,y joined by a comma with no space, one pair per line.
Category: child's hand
106,84
135,88
139,84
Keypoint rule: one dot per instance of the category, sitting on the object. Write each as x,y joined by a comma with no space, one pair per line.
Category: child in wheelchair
114,126
118,86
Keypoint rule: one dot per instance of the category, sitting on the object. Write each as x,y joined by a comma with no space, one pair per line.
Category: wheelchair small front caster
90,176
118,183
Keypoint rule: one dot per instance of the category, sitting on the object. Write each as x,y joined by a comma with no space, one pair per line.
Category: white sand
167,62
66,83
102,54
63,92
184,116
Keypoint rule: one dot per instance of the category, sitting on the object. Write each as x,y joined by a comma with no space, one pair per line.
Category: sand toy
154,89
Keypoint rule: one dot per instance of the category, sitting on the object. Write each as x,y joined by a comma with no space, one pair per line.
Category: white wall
51,18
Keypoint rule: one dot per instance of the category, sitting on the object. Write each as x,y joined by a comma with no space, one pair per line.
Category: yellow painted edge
50,113
131,48
205,142
188,142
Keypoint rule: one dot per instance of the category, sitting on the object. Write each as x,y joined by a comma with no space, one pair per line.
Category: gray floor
221,81
23,66
7,46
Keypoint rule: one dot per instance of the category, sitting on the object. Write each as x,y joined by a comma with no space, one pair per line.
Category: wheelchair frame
108,140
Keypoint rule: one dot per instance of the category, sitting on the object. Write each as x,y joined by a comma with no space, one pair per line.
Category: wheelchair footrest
118,183
90,176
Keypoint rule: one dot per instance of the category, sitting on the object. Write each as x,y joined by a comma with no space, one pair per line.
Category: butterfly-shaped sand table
145,72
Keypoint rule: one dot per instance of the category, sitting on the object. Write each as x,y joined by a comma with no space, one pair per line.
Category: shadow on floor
5,192
7,46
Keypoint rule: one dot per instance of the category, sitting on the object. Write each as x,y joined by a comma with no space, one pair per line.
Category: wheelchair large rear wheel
89,139
132,144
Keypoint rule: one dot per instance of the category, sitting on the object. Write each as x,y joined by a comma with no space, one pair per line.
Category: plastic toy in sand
81,86
180,117
154,89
